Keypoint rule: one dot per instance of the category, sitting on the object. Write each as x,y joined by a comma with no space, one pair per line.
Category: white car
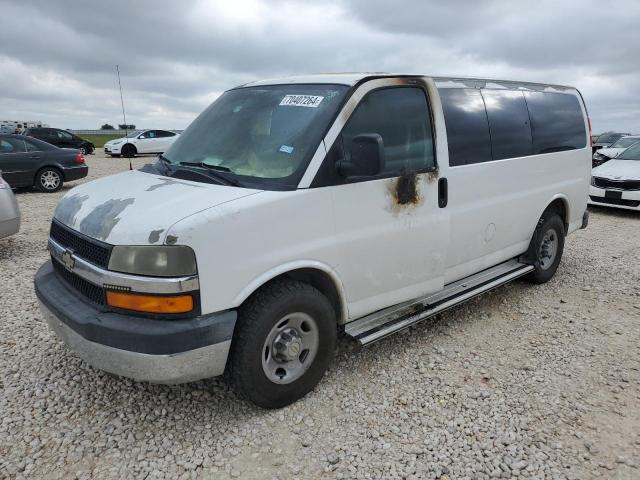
146,141
605,154
617,182
295,208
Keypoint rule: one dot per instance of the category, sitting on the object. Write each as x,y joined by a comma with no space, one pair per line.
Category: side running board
390,320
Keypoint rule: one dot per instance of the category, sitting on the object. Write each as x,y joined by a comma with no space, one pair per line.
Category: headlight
154,261
116,142
597,156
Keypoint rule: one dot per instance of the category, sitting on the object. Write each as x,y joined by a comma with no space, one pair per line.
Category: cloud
176,57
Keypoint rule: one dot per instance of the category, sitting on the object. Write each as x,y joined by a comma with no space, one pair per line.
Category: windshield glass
631,153
608,137
625,142
135,133
262,136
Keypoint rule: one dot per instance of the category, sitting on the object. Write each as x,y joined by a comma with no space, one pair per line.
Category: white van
293,209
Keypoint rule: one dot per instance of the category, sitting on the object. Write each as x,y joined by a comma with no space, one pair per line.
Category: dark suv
61,138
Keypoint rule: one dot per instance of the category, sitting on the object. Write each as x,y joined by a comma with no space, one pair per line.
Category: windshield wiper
167,163
213,172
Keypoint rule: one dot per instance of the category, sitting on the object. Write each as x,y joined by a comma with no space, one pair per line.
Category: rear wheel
49,180
546,247
284,340
128,150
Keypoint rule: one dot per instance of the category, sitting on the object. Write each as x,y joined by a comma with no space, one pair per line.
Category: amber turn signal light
150,303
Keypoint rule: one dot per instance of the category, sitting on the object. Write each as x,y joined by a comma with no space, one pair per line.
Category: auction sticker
301,101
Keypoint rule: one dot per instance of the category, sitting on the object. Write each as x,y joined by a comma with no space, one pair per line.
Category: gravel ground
524,382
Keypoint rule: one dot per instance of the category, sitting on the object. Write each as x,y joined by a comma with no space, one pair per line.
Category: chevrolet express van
294,209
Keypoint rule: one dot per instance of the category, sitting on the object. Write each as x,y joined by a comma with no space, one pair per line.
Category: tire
270,324
49,180
114,155
546,247
128,151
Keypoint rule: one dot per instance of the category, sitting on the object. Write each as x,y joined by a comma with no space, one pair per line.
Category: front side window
12,145
557,122
401,117
62,135
262,137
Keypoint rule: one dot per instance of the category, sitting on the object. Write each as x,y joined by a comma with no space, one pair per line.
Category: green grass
99,139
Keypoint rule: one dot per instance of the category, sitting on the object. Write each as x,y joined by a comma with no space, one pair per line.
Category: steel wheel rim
50,180
548,249
83,151
290,348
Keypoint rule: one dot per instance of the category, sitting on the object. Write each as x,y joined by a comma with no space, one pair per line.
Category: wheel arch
317,274
559,204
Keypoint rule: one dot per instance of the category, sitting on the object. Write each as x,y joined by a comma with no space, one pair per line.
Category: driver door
391,234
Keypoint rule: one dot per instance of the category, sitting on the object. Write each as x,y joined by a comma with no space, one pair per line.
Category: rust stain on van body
404,192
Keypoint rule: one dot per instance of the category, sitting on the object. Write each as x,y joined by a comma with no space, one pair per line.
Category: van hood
137,208
618,170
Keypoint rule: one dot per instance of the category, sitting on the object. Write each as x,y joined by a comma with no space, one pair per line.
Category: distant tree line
122,126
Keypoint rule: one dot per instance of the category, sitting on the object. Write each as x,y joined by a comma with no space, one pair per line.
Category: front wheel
546,247
128,151
284,341
49,180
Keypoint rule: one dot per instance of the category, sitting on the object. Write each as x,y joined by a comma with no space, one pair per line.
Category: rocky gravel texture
524,382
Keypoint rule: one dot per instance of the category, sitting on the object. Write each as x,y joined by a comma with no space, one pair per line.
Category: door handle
443,192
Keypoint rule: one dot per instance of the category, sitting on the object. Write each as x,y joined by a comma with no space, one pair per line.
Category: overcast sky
57,58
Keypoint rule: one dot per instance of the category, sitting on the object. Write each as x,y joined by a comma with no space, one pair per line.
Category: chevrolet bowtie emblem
67,259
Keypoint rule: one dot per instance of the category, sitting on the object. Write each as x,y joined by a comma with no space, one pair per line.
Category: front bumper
9,227
9,213
112,149
153,350
625,199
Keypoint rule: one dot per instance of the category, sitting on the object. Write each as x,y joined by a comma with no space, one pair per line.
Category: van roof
353,78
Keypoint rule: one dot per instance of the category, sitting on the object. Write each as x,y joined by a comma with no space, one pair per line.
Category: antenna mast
124,116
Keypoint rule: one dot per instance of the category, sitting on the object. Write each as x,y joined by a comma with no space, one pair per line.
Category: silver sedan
9,212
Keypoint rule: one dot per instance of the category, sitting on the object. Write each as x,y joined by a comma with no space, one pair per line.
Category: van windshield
263,136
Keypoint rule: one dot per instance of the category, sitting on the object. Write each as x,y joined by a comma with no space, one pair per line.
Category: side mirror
367,157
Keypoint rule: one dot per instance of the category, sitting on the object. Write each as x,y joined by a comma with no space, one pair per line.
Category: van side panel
494,206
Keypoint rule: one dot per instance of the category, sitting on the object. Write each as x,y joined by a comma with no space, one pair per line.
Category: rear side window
32,147
467,126
557,123
401,117
508,123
